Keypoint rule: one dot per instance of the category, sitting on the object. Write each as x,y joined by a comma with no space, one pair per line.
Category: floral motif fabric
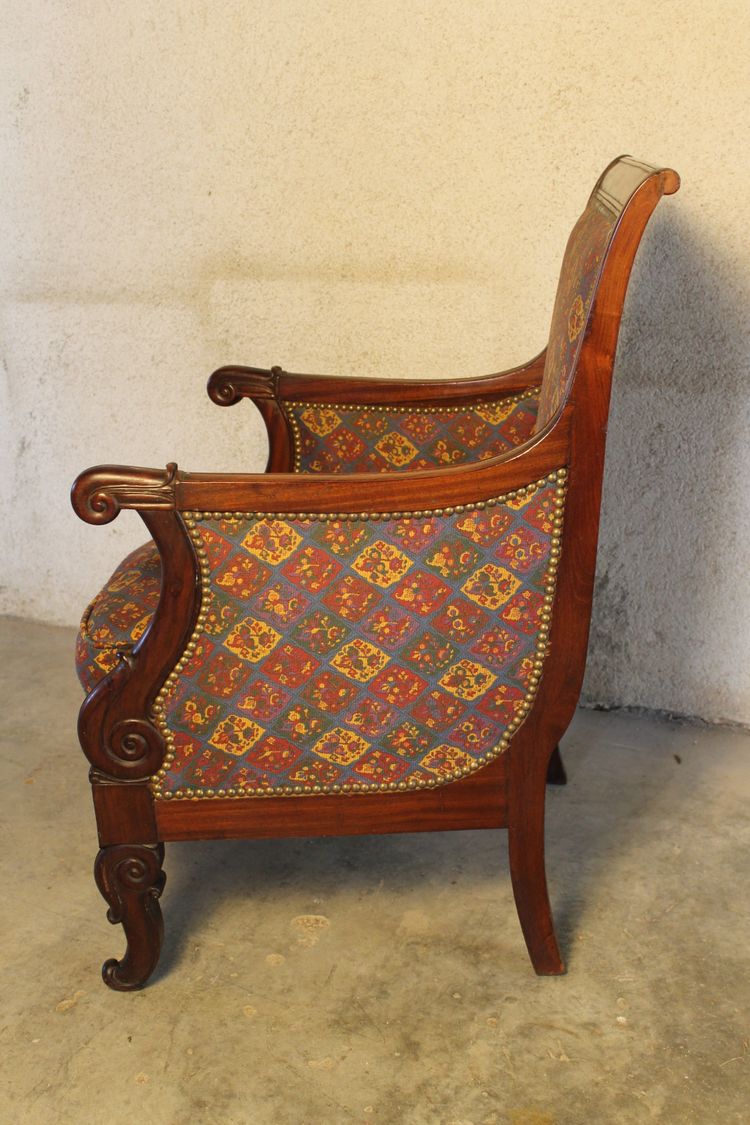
581,268
358,652
118,616
368,439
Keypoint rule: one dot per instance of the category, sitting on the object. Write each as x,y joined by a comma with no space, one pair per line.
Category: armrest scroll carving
115,725
228,385
99,493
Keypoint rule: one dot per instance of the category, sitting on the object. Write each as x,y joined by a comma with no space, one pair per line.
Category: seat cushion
118,616
386,439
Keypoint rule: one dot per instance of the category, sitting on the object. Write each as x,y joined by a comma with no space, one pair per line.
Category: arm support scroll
228,385
98,494
116,722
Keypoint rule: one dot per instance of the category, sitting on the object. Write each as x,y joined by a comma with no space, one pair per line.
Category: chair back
582,273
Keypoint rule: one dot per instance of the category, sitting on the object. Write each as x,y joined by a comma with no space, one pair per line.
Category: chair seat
119,614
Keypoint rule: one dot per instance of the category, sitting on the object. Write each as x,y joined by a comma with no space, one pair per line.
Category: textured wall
376,188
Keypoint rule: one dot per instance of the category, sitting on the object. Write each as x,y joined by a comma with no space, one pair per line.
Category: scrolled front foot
131,879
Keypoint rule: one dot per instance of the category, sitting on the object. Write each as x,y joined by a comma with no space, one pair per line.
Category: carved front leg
131,879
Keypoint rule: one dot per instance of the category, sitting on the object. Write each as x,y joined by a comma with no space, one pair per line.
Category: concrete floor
384,980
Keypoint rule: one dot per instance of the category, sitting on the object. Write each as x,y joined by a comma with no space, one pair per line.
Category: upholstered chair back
583,263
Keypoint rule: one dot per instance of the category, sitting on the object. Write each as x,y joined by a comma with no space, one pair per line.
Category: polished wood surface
131,879
115,727
477,801
374,493
228,385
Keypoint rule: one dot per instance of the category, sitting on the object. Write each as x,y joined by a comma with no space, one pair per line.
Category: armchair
387,631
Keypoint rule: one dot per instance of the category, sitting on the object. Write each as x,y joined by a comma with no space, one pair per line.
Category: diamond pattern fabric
370,439
354,655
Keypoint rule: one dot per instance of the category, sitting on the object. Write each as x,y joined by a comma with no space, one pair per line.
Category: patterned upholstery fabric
581,267
118,616
382,439
343,654
358,654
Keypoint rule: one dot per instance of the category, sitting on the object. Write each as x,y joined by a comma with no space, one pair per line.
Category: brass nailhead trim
377,409
159,709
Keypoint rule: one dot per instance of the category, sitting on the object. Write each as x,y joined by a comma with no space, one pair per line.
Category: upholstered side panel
384,439
582,265
358,654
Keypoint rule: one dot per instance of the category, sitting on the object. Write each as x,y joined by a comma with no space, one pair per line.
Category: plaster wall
380,188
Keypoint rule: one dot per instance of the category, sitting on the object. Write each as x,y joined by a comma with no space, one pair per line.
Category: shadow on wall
667,628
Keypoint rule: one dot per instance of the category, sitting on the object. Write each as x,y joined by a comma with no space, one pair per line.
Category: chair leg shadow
556,774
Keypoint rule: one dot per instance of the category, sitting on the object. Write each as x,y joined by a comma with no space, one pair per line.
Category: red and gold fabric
344,655
118,616
386,439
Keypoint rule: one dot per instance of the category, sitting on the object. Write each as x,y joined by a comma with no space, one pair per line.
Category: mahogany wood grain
115,728
228,385
476,801
131,879
124,812
378,492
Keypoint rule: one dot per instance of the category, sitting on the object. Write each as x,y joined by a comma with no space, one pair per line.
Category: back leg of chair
131,879
556,774
527,871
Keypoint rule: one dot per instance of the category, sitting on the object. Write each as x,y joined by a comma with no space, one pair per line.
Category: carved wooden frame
116,726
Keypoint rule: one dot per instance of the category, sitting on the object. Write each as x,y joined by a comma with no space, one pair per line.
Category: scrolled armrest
227,385
98,494
376,492
319,423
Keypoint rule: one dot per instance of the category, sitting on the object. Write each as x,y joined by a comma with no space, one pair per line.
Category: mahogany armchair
387,631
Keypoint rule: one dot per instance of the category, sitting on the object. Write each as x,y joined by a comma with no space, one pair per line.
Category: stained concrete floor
384,980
